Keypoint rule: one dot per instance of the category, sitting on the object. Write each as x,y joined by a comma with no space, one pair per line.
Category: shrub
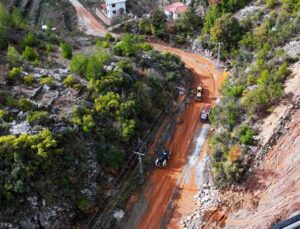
109,37
66,50
227,29
127,129
38,118
112,157
14,74
28,80
126,47
48,80
18,20
271,3
49,48
87,123
146,46
78,64
83,203
245,134
29,40
29,54
94,69
13,56
26,105
69,81
77,86
10,101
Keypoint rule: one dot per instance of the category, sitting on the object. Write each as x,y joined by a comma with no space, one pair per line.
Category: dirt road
167,194
172,188
87,22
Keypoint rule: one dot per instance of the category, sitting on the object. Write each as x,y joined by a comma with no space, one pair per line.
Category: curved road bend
156,206
151,211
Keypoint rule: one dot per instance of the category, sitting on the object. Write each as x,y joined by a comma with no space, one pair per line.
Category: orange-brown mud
159,190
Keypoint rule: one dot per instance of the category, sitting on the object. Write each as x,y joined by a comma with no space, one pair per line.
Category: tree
29,40
95,65
126,47
227,29
66,50
29,54
188,23
13,56
158,22
78,64
108,103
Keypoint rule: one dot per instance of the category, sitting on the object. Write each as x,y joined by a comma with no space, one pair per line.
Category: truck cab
199,92
205,113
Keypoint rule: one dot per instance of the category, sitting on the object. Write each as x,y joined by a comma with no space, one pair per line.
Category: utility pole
140,154
219,52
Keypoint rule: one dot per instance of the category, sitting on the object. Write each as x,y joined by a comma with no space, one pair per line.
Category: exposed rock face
247,11
292,48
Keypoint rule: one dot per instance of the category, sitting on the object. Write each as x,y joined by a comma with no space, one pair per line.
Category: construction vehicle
162,159
205,113
199,92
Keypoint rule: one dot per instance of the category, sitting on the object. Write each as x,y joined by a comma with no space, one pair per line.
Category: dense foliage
259,69
118,91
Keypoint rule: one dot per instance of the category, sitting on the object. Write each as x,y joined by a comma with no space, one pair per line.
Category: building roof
176,7
114,1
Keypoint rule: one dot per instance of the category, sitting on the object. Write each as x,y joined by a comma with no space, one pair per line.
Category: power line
142,143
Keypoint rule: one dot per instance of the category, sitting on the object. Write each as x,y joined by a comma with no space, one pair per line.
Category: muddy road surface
168,193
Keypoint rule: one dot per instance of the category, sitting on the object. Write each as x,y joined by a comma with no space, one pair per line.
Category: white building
114,7
175,10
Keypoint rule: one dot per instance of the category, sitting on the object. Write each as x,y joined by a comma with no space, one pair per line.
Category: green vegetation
258,71
28,80
66,50
69,81
38,118
29,54
47,80
78,64
26,155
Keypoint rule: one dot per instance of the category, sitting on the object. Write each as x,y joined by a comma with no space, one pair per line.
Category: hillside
71,110
77,103
40,12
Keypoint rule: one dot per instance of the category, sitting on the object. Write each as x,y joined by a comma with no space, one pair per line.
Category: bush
14,74
48,80
69,81
271,3
112,157
29,40
83,203
49,48
18,20
26,105
227,29
28,80
94,69
13,56
245,134
29,54
38,118
126,47
66,50
78,64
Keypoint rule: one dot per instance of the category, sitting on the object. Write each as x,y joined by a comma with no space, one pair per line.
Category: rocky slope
60,14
